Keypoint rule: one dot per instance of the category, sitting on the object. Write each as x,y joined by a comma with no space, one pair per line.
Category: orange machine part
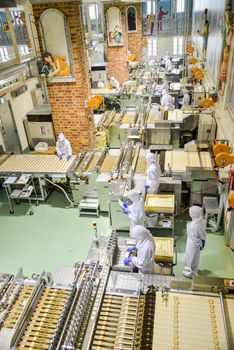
199,74
193,60
231,200
224,159
220,147
195,70
131,57
99,98
190,49
207,103
93,103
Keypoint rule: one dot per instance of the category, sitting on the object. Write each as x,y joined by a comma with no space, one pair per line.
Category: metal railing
166,27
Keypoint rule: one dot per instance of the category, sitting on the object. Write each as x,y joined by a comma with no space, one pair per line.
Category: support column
67,100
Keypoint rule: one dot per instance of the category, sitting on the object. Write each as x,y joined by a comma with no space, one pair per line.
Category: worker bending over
186,99
166,101
145,248
196,235
153,174
135,211
63,147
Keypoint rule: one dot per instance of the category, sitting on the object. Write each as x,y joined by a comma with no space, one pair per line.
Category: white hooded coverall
196,232
63,146
165,85
136,209
166,101
144,260
153,173
186,99
114,83
168,64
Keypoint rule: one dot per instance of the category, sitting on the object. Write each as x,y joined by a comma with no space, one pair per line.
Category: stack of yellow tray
160,203
164,249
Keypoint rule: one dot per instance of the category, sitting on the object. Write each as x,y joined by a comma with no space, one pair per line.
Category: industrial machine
99,305
104,177
39,126
99,73
44,170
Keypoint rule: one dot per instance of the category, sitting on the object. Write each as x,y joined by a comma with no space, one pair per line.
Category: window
150,7
152,47
178,45
93,12
179,6
4,56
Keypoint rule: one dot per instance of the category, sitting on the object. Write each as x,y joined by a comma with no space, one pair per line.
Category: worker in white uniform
63,147
168,65
196,236
135,211
153,174
114,83
166,101
165,85
186,99
166,57
145,248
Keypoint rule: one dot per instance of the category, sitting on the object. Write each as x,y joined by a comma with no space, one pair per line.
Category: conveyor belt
117,323
180,160
42,324
92,163
36,164
128,118
191,322
141,165
18,306
109,163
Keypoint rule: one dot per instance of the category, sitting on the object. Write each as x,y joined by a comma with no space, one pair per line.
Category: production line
96,305
43,169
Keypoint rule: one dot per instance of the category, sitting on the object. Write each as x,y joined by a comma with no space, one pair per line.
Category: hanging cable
69,200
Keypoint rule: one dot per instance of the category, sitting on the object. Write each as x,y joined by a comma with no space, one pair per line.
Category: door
8,129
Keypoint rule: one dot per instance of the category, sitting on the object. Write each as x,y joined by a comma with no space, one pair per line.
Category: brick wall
67,99
117,55
135,40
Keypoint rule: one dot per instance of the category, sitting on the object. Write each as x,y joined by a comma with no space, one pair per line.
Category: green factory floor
56,236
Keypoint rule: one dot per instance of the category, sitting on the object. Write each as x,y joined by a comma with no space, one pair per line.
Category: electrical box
99,73
39,126
37,97
206,127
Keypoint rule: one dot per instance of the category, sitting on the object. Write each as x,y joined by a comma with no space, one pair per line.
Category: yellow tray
161,203
51,150
164,250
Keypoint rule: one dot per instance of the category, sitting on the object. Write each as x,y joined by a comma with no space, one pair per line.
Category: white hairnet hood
61,137
140,233
195,212
133,195
150,157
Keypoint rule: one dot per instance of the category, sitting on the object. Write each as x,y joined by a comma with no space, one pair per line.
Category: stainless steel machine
96,305
43,169
39,126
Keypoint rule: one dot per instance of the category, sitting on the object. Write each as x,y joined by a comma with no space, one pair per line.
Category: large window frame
180,6
20,54
178,45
